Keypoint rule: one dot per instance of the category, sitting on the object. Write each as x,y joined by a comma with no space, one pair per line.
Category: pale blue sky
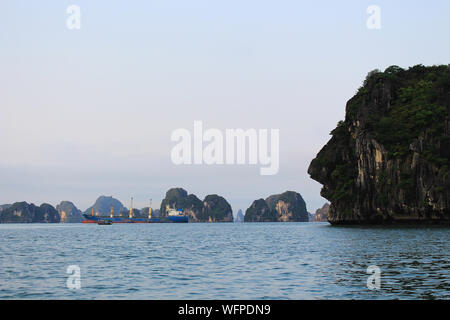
90,111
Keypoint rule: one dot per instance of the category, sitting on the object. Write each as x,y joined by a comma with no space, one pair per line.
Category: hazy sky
90,112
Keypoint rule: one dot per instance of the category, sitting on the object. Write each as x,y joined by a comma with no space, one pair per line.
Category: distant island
102,207
239,216
213,208
389,160
321,214
22,212
286,207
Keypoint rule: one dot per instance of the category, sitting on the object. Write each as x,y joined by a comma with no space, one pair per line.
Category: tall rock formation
388,162
69,213
22,212
289,207
239,216
216,209
286,207
213,208
322,213
178,198
259,211
102,207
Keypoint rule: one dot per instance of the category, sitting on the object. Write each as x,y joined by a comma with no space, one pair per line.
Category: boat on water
104,223
173,216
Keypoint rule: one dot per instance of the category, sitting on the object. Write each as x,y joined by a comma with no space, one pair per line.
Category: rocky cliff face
290,207
22,212
102,207
259,211
4,206
286,207
178,198
388,162
322,213
69,213
239,216
213,208
216,209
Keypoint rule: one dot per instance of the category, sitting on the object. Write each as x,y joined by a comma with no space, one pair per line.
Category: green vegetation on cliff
389,160
22,212
285,207
213,208
217,208
178,198
419,101
259,211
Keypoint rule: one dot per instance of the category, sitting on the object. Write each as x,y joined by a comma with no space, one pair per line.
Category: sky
90,111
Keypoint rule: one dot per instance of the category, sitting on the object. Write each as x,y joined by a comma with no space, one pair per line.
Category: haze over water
223,261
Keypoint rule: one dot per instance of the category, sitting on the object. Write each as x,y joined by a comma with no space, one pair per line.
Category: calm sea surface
223,261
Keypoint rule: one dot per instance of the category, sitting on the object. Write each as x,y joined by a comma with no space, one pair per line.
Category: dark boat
104,223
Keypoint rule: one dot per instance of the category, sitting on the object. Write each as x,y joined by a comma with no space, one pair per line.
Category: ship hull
169,219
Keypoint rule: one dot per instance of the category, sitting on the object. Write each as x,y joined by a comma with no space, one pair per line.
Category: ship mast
112,208
131,208
150,210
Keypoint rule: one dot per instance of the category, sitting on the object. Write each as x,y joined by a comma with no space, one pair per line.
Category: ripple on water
223,261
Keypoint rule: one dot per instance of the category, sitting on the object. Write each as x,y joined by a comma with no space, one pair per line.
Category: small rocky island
23,212
239,216
286,207
213,208
389,160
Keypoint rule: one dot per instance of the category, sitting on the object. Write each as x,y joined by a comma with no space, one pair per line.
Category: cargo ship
173,216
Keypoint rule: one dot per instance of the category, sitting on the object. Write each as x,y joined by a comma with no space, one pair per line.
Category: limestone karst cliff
239,216
22,212
216,209
322,213
102,207
4,206
69,213
286,207
388,161
213,208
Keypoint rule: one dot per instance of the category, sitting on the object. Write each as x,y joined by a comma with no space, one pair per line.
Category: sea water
222,261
